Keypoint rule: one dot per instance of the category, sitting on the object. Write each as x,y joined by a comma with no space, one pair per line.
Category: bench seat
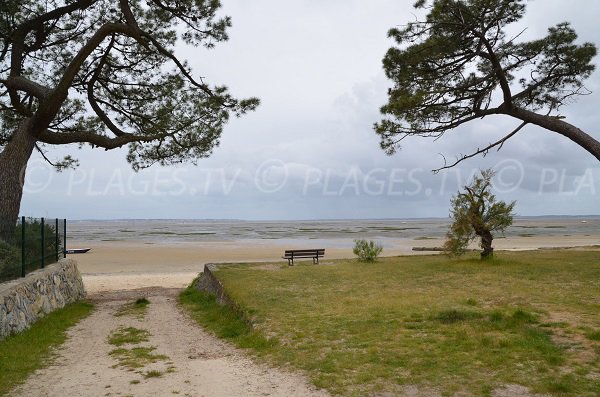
315,254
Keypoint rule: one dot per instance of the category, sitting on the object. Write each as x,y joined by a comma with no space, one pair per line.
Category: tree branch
19,83
483,151
90,93
50,107
61,138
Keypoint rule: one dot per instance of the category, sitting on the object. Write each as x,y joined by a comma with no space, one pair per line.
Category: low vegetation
22,354
135,309
454,325
137,357
367,251
128,335
223,321
128,352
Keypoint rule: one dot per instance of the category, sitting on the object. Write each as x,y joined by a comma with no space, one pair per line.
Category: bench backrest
312,252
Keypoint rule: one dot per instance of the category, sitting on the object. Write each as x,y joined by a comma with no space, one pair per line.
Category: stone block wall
25,300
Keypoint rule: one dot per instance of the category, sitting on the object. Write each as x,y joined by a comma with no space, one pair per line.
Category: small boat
77,250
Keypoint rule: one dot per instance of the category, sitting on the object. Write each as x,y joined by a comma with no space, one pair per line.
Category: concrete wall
25,300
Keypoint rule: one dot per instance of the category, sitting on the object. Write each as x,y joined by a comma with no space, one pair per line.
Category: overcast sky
309,151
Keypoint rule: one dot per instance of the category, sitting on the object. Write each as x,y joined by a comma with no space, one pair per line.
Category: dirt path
196,363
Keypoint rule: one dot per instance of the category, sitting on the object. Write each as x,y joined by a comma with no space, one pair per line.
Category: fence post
43,250
64,238
22,246
56,242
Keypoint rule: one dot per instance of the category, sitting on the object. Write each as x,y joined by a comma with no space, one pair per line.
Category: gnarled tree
104,73
476,213
459,65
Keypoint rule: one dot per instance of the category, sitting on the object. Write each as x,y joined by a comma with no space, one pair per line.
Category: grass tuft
153,374
454,315
129,335
593,335
136,309
23,353
137,357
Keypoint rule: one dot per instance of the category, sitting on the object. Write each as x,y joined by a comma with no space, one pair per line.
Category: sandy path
203,365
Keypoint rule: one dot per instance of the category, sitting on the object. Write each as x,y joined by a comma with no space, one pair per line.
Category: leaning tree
476,213
459,64
104,73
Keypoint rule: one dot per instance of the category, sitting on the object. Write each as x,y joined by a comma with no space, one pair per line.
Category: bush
10,261
33,242
10,252
367,251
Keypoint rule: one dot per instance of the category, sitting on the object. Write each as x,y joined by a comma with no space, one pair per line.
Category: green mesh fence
34,244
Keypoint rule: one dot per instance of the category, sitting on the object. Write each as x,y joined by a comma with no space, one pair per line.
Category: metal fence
34,244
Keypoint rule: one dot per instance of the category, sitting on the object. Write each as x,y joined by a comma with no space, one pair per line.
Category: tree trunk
584,140
13,163
486,244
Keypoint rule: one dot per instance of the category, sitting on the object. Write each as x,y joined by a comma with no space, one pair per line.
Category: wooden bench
315,254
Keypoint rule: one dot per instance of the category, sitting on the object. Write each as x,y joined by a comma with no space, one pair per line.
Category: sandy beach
112,266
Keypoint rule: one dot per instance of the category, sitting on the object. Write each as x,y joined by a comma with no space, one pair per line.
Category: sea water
166,231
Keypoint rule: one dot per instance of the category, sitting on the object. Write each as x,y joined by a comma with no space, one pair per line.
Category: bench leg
291,262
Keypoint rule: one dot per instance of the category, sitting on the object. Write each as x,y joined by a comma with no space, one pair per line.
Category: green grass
456,325
223,321
137,357
153,374
137,309
129,335
22,354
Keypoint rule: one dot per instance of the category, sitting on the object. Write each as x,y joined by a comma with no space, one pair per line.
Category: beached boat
77,250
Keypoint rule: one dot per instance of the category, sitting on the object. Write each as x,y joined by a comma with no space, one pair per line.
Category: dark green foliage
476,213
142,302
33,242
105,73
10,261
367,251
459,64
10,252
453,316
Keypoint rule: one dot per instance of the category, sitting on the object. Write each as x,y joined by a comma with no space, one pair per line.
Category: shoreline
112,266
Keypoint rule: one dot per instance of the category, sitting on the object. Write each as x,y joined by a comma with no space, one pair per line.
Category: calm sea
177,230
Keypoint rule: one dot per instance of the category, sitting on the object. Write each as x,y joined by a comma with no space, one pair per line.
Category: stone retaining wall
208,282
25,300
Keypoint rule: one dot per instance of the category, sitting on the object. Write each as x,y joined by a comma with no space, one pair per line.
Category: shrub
367,251
33,242
10,261
10,252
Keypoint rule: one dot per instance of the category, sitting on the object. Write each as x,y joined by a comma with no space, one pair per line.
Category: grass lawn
22,354
460,326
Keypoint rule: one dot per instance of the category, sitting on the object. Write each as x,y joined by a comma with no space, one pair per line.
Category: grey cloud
316,65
